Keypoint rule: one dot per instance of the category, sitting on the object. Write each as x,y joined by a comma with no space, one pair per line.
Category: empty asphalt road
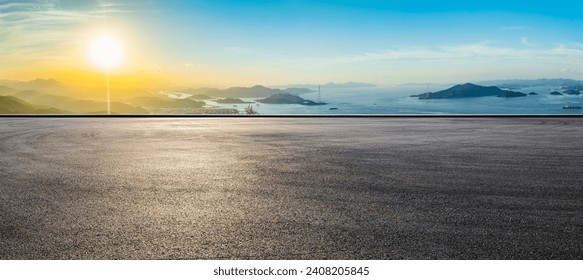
309,188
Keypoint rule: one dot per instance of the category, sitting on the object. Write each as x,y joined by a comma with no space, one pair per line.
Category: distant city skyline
270,42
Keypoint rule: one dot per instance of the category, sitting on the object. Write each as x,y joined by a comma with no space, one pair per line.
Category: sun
106,51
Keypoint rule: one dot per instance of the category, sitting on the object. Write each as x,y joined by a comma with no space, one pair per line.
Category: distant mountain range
257,91
298,91
49,86
533,83
4,90
48,96
157,102
14,105
330,85
55,87
52,96
469,90
242,92
267,95
76,106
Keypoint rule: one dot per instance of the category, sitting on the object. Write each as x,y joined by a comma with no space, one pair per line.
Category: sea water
398,100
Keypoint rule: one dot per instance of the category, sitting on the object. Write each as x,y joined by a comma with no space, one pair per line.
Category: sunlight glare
106,51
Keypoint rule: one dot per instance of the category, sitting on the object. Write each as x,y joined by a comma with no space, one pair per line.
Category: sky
277,42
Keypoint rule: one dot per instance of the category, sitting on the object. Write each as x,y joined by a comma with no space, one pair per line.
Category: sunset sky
270,42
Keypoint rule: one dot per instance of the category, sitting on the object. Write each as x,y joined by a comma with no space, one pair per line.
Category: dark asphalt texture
281,188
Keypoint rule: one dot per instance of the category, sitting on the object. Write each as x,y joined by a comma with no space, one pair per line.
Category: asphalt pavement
291,188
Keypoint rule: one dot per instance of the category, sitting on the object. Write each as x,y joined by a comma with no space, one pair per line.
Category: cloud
525,42
239,50
6,6
479,50
30,29
427,57
476,51
77,5
195,66
33,30
516,27
571,71
447,52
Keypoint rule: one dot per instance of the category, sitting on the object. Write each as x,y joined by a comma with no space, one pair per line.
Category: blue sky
277,42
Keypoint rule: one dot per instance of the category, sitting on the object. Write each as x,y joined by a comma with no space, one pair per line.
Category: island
286,98
555,93
510,94
572,92
469,90
298,91
232,101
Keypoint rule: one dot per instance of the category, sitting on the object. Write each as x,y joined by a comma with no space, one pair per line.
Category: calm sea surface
397,100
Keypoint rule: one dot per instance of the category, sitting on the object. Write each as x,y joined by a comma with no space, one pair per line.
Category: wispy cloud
466,52
6,6
190,65
525,42
441,63
462,54
239,50
571,71
32,30
515,27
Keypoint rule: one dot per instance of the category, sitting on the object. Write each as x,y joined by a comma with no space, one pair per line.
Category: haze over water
398,100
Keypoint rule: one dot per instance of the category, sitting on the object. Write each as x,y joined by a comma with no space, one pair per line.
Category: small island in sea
286,98
572,92
469,90
232,101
